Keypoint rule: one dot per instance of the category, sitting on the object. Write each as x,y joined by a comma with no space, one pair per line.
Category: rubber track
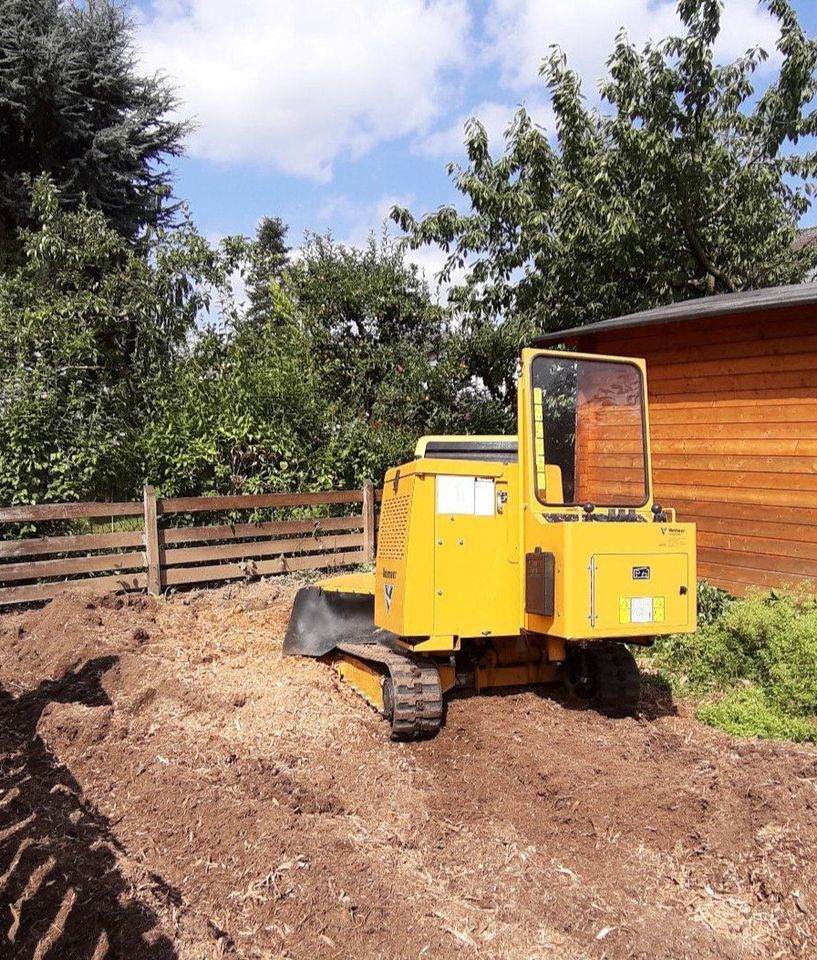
418,695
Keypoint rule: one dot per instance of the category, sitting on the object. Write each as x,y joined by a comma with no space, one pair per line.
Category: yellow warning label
540,447
623,609
537,396
658,607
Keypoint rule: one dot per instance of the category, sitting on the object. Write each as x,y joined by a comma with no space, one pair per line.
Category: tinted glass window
589,423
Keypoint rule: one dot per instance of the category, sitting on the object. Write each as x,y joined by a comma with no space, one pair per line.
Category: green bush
712,602
761,652
746,712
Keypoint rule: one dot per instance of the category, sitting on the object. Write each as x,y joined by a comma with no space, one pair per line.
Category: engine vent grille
391,542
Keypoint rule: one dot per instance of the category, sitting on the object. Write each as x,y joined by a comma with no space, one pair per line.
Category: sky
328,112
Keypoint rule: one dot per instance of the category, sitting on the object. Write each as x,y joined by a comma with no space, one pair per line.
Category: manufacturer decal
641,573
388,593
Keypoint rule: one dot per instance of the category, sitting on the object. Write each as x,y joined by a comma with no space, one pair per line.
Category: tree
73,106
686,184
268,257
390,366
87,326
349,363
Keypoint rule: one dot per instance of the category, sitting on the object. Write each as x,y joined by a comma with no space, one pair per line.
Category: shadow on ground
656,696
62,893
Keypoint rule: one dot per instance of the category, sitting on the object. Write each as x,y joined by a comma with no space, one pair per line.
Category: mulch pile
170,787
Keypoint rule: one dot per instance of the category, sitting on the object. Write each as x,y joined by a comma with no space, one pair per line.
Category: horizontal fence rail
162,552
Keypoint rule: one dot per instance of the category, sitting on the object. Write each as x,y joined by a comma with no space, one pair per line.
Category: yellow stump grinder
507,561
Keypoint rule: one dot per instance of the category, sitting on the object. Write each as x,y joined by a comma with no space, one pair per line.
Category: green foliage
685,184
111,379
747,713
762,652
240,414
331,383
391,368
85,324
73,106
712,602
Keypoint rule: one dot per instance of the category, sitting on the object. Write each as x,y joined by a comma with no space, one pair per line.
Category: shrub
746,712
762,652
712,602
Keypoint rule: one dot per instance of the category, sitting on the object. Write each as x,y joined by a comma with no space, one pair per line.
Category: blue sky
325,112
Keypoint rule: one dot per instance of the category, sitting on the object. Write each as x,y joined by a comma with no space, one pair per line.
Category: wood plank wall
733,405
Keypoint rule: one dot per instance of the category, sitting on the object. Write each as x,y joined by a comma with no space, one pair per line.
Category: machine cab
615,563
584,423
553,532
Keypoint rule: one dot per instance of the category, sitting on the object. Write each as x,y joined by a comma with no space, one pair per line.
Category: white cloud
430,261
447,142
356,219
294,85
519,33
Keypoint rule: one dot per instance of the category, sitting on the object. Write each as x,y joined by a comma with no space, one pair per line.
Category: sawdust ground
173,788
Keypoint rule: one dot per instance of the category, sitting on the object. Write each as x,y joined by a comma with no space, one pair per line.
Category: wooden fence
157,555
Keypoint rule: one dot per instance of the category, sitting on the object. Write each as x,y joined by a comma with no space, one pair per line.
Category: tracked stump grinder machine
509,561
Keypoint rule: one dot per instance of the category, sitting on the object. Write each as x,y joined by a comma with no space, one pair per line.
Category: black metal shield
321,619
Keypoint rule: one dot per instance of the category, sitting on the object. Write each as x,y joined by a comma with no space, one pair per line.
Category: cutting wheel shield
412,693
322,619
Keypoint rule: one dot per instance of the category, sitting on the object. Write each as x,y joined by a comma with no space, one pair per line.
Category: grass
751,665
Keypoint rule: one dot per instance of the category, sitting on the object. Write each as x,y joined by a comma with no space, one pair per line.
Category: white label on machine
456,495
641,610
484,498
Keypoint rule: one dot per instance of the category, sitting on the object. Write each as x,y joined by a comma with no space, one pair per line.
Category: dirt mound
172,787
49,641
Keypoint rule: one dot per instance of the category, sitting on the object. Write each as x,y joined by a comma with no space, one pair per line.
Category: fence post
152,541
368,521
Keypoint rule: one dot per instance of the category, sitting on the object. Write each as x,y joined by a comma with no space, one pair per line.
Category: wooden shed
733,407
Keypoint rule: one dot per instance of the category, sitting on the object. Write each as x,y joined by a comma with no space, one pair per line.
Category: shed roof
747,301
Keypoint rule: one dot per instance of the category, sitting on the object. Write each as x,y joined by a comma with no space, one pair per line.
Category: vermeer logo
388,593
